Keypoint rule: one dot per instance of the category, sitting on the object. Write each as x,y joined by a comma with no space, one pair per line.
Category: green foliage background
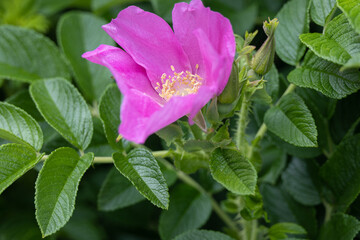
300,179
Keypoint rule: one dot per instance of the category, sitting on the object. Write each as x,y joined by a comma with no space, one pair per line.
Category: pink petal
217,67
202,98
128,74
149,40
136,110
189,18
141,116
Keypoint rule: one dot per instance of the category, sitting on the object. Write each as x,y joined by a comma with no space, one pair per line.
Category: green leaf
243,19
222,135
99,144
164,8
18,126
170,133
351,8
281,207
346,113
142,169
19,224
64,109
56,188
292,121
198,145
294,20
233,170
251,206
15,160
298,181
242,14
77,33
109,110
261,96
273,162
83,224
320,10
317,102
189,209
190,162
325,77
169,175
103,5
272,82
49,7
280,230
22,99
354,62
203,235
23,13
117,192
342,171
338,44
340,226
300,152
26,55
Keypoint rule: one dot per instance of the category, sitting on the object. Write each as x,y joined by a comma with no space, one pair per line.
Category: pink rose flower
165,74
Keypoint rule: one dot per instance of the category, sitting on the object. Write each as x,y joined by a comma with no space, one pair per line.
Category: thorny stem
249,231
240,131
254,227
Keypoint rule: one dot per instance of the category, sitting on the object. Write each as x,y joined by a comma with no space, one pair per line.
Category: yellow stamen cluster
180,84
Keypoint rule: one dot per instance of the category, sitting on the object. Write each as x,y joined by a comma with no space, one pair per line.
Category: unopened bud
232,88
264,57
212,114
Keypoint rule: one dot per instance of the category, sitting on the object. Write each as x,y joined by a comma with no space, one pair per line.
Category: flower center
178,84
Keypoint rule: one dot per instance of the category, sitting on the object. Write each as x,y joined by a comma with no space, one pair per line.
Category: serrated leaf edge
38,128
77,92
25,170
250,192
166,207
45,234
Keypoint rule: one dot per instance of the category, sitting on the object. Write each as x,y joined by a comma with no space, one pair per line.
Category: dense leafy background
299,179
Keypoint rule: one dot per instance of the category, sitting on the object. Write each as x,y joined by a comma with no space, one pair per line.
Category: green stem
81,153
163,153
254,226
249,231
94,109
328,211
242,121
103,160
259,135
289,89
